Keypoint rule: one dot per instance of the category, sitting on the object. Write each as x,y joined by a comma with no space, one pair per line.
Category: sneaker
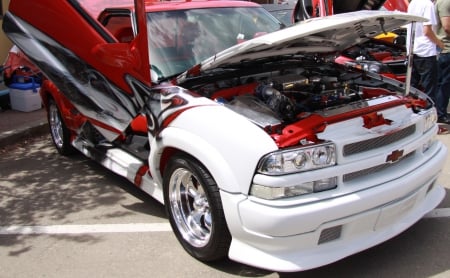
444,120
443,131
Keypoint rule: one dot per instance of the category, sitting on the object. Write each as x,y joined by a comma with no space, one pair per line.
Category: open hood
318,36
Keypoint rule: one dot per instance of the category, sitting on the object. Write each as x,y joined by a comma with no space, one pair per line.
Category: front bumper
331,229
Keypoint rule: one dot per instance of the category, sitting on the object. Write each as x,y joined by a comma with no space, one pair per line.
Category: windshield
181,39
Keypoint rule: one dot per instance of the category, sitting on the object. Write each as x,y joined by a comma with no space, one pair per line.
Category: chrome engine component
287,95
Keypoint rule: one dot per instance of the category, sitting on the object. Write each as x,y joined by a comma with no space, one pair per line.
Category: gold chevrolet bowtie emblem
394,156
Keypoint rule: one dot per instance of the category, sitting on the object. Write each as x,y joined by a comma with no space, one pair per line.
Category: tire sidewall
212,250
66,148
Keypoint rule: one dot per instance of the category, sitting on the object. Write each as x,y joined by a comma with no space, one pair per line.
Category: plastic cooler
24,96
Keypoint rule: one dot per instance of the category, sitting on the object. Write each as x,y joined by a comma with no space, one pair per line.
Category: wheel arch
212,161
49,91
230,157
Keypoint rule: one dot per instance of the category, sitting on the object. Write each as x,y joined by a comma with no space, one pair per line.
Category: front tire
194,207
59,132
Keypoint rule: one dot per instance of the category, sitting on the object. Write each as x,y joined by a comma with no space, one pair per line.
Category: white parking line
127,228
86,229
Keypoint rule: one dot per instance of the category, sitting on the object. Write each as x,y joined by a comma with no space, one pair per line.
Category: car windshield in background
180,39
283,12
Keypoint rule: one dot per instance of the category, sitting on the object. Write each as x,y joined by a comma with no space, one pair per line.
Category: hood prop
381,20
409,63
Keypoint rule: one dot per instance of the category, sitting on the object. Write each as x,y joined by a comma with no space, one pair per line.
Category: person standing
424,74
443,33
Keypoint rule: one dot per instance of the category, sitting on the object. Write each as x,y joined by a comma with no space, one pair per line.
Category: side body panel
82,59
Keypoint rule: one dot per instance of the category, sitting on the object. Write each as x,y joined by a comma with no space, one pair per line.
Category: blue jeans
444,82
424,76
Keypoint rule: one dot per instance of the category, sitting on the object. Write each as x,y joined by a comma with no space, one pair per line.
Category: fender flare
227,144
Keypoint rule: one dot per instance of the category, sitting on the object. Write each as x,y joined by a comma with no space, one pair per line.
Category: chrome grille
365,172
370,144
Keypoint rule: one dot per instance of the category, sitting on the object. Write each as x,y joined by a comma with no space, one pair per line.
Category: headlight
298,160
272,193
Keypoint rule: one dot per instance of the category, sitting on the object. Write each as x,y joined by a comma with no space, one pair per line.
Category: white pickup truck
261,147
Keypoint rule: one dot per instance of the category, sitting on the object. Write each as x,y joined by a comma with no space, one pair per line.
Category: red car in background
18,65
396,5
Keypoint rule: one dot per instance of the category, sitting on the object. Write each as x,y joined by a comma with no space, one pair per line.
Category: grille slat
378,142
365,172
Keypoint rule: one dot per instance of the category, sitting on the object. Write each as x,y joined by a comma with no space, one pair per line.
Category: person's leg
444,81
415,74
428,71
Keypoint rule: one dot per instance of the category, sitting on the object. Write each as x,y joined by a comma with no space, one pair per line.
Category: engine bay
376,51
283,97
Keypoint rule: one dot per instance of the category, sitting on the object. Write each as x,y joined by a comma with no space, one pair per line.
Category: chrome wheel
59,132
55,123
193,204
190,207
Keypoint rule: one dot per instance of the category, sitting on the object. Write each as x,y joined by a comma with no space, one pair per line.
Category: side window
120,27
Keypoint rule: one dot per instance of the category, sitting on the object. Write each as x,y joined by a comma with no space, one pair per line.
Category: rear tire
194,207
58,130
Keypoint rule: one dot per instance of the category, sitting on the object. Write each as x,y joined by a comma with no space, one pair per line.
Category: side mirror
119,55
